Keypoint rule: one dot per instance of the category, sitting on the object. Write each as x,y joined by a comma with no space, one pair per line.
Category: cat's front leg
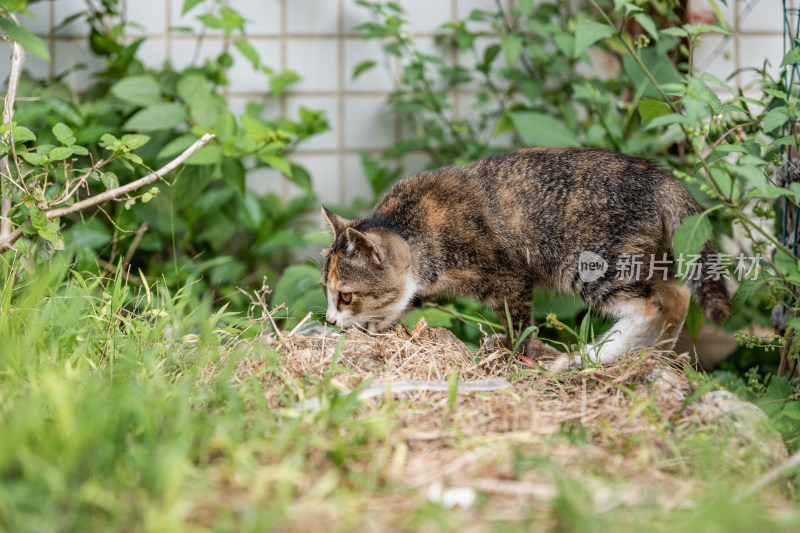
520,311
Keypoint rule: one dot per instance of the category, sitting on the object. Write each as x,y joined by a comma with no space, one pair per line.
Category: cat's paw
537,347
496,341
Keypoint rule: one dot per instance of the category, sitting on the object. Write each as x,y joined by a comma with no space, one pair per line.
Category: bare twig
81,180
132,186
300,324
8,241
17,58
134,245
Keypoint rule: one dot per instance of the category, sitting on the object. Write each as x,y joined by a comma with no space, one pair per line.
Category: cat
504,225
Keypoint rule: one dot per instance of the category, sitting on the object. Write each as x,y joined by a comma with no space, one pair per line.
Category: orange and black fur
497,228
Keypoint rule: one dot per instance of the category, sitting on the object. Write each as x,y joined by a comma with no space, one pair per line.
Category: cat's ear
368,246
338,224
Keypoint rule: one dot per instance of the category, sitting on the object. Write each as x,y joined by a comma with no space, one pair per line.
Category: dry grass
612,428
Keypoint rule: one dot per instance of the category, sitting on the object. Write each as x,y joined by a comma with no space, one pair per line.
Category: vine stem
17,58
111,194
664,97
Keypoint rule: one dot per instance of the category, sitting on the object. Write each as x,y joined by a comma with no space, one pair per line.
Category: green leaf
247,51
436,318
650,109
252,213
746,290
176,146
142,90
279,82
692,234
778,391
299,289
188,5
234,174
779,388
362,67
110,180
156,118
38,218
792,410
278,162
63,133
542,129
300,177
192,87
107,140
254,127
786,264
134,141
230,19
647,23
792,57
206,110
774,118
60,153
490,54
210,154
588,33
133,158
33,158
512,47
23,134
752,174
26,39
50,232
210,21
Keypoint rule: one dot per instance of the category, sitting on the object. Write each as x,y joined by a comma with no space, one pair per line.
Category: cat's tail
705,276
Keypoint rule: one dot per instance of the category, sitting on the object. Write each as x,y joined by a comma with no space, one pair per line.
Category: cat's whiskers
308,255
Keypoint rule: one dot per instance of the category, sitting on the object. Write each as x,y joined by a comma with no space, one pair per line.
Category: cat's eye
346,297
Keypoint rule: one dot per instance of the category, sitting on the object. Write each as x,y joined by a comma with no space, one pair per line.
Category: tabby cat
539,217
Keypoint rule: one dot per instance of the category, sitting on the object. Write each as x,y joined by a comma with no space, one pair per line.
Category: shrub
198,222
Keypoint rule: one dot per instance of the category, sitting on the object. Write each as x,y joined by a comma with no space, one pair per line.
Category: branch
132,186
736,127
8,241
17,58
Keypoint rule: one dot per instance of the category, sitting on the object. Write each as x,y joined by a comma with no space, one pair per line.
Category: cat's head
366,275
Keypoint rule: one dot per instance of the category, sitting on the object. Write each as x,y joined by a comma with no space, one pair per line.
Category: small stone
747,423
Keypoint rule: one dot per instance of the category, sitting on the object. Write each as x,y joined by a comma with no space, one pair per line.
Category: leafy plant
201,221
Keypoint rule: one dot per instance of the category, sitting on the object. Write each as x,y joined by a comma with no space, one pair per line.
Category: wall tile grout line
282,65
454,56
341,140
51,40
168,24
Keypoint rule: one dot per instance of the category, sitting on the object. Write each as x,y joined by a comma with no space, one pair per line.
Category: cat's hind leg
674,299
641,321
636,324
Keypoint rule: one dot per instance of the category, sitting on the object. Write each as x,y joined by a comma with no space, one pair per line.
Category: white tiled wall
315,38
757,27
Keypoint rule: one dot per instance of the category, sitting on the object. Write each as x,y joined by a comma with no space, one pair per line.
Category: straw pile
613,427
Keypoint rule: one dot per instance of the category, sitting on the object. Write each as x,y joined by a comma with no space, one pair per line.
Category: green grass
125,408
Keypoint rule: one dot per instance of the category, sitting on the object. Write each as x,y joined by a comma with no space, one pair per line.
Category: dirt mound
599,425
